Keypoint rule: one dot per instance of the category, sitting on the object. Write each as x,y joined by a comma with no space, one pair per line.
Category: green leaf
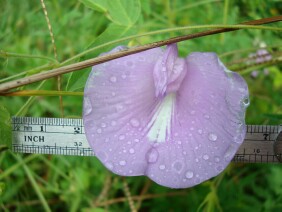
98,5
124,12
121,12
5,128
77,80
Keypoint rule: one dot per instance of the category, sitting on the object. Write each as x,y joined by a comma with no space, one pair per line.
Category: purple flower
177,120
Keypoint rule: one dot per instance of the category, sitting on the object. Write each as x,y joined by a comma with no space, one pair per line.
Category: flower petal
179,127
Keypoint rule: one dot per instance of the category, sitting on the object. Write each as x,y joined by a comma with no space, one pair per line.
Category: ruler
64,136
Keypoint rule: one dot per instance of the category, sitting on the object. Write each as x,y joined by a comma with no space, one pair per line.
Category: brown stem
146,196
105,58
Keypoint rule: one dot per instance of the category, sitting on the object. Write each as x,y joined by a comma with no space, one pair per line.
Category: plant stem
10,54
42,93
105,58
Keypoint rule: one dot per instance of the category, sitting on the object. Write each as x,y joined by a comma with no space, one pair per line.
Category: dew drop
99,130
177,166
219,168
113,93
123,76
131,151
229,152
122,163
207,116
119,107
162,167
136,140
113,79
113,123
103,125
129,63
134,122
216,159
121,137
152,155
102,155
200,131
212,137
109,165
192,112
179,142
246,101
87,106
205,157
189,174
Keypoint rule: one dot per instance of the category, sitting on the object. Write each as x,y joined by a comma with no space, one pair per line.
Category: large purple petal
177,121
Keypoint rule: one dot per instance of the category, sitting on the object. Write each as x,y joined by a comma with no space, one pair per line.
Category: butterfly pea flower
178,121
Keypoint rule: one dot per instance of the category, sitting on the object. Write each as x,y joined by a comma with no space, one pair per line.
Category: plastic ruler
64,136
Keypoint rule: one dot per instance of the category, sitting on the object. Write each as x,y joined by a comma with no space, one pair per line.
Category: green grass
68,183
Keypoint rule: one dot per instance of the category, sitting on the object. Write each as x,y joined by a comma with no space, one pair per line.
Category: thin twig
146,196
50,28
105,58
42,93
105,190
143,192
128,195
59,79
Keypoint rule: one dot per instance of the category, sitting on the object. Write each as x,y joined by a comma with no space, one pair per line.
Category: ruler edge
79,122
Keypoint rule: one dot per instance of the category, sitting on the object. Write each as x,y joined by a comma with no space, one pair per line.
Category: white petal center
160,125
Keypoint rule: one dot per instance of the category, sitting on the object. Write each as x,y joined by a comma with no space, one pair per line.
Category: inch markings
63,136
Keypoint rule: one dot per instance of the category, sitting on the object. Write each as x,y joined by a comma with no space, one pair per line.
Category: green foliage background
37,182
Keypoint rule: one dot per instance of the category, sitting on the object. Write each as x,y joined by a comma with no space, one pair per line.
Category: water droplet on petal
205,157
219,168
189,174
162,167
206,116
136,140
216,159
113,123
113,79
119,107
109,165
122,163
212,137
103,125
131,151
99,130
229,152
246,102
134,122
200,131
177,166
87,106
152,155
192,112
102,155
121,137
113,93
129,63
123,76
